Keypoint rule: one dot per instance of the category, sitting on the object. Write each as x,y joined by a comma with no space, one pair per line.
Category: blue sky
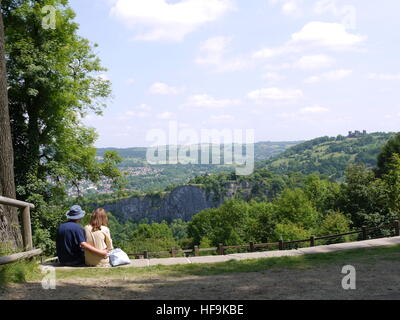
288,69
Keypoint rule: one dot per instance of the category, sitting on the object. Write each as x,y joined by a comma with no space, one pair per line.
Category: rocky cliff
181,203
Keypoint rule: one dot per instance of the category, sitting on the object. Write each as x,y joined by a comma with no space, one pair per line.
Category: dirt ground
374,281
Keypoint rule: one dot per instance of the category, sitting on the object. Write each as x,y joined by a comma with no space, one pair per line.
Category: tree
321,192
230,224
293,206
392,182
54,80
385,156
9,227
151,237
334,223
365,198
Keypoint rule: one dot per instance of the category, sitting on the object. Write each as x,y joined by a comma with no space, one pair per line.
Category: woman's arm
87,246
108,239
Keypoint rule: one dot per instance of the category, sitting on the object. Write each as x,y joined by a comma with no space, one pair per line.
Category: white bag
118,258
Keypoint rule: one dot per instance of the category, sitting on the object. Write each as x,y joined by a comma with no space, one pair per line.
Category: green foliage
151,237
238,222
47,215
392,182
364,198
334,223
321,192
291,232
293,206
264,220
205,243
386,154
179,229
230,224
54,81
330,156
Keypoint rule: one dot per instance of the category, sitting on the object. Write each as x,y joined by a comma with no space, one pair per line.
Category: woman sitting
98,235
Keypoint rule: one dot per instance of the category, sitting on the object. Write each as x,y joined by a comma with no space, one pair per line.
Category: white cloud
289,7
383,76
160,88
278,67
163,20
207,101
137,114
314,62
144,107
330,35
222,117
348,13
313,110
214,53
165,115
269,53
140,111
133,114
261,95
304,114
329,76
273,76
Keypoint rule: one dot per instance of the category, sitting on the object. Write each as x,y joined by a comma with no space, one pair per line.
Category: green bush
334,223
293,206
291,232
153,237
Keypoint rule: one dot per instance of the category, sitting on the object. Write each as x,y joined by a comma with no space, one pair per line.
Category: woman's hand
105,253
102,253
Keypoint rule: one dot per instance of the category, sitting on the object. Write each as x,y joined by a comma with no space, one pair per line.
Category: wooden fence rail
19,256
26,231
26,219
220,250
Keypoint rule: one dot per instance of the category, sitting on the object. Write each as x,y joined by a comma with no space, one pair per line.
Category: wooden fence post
281,245
312,241
397,228
27,229
173,252
252,248
196,251
364,232
221,250
146,254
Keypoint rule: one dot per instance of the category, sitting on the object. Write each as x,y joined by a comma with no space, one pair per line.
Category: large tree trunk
10,233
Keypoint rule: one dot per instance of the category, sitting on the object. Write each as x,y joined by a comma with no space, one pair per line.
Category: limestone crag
181,203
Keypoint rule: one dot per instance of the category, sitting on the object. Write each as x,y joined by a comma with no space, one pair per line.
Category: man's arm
87,246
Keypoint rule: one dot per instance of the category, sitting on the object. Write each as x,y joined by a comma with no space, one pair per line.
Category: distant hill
262,151
330,155
145,177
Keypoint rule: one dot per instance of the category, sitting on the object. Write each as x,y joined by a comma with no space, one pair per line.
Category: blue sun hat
75,213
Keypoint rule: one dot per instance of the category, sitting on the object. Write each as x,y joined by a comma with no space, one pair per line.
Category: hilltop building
357,134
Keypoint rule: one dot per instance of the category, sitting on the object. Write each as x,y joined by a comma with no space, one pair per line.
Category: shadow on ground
374,281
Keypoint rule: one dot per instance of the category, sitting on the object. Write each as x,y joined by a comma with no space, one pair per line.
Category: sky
287,69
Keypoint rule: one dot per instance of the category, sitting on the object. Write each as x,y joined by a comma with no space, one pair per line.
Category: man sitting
71,240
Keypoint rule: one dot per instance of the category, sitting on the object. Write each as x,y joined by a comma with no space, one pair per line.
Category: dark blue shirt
69,237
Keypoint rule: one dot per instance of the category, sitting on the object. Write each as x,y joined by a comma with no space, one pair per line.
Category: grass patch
18,272
369,255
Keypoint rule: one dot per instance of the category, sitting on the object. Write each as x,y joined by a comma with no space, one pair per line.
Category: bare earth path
376,279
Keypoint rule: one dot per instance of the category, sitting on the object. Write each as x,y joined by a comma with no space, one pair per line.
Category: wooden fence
26,231
280,245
